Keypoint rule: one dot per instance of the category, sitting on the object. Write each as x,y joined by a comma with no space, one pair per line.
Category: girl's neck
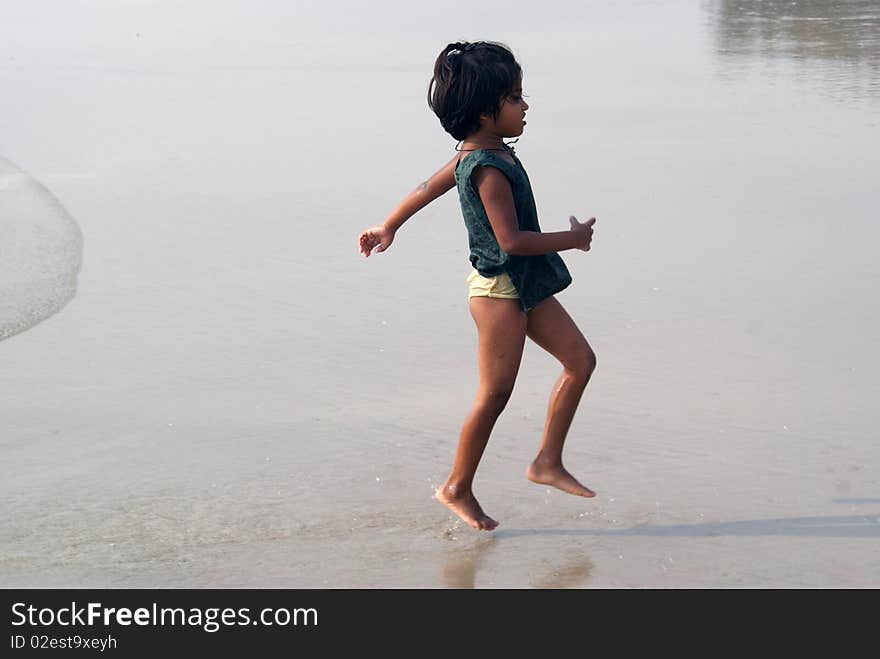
475,143
483,139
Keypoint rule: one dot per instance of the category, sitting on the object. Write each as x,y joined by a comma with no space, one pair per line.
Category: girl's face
511,115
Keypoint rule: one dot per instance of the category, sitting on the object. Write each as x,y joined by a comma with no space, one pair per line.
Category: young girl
476,92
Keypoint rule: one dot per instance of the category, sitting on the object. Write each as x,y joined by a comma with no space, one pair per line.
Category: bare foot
556,476
466,507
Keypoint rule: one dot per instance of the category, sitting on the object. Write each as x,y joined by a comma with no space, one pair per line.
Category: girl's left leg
501,330
550,326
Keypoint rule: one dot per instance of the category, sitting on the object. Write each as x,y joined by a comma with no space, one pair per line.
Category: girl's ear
485,119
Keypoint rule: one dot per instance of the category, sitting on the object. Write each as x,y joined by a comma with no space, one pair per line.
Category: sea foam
40,251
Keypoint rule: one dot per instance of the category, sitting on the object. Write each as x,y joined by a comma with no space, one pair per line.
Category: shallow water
234,397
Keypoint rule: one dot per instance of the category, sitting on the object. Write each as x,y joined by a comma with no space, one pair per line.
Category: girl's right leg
501,325
550,326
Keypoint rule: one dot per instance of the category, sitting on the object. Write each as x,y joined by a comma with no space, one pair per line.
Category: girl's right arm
381,236
497,197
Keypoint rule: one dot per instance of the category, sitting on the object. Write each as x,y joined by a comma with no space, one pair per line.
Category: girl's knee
582,364
493,401
590,360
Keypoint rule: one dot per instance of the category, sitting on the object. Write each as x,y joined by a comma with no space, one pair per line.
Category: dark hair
469,80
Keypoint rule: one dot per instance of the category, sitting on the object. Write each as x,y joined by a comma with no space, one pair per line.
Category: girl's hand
379,237
584,232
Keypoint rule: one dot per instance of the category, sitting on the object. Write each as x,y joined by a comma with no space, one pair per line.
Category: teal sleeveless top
534,277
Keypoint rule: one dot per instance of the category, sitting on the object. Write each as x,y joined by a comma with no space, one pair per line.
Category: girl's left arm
381,236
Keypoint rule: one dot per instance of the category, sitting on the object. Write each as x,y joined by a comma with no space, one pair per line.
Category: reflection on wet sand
574,571
461,565
842,35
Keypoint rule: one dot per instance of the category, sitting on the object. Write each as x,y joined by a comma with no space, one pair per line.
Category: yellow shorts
500,286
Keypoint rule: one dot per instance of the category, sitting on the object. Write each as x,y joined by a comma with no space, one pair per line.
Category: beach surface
207,386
